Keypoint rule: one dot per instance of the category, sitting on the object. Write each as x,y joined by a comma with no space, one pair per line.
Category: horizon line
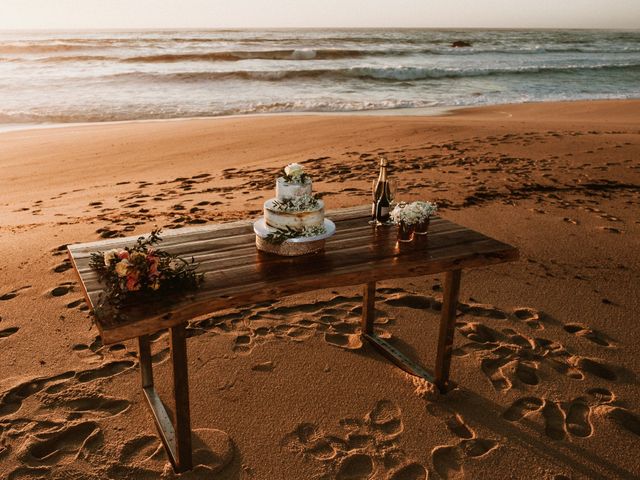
238,29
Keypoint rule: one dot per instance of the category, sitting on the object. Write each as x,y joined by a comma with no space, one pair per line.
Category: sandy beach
546,348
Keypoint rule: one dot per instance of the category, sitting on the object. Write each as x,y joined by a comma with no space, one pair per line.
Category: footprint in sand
62,267
367,448
601,395
213,450
355,467
492,368
8,296
61,290
140,450
529,317
309,439
554,420
522,407
457,426
478,332
526,373
412,471
624,418
481,310
595,367
263,366
77,303
7,332
71,440
59,250
109,369
447,461
577,418
29,473
585,332
13,398
96,405
410,301
341,340
478,447
299,334
386,417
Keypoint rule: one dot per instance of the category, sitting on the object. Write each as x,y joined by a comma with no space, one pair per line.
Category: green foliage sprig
281,235
142,272
297,204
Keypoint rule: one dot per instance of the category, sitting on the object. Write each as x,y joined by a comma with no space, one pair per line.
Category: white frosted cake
295,208
293,222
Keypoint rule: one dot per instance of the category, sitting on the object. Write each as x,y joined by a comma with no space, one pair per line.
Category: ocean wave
363,73
105,114
29,48
288,54
63,53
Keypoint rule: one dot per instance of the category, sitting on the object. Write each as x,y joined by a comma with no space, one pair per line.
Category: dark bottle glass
381,204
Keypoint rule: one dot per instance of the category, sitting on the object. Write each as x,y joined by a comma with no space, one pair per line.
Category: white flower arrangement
413,213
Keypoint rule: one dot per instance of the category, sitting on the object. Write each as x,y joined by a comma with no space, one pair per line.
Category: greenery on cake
294,173
303,203
281,235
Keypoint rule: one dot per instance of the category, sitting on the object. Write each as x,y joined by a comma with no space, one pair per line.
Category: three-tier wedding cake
293,222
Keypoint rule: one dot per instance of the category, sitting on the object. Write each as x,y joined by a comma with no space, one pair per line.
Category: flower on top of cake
294,173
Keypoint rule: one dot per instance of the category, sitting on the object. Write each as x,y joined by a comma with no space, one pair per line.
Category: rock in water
460,44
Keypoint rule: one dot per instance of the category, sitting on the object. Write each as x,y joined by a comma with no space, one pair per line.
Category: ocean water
106,76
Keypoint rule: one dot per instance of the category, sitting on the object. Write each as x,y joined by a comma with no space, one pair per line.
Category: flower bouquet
412,219
142,272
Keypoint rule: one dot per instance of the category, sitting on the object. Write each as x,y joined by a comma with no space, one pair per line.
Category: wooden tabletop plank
236,273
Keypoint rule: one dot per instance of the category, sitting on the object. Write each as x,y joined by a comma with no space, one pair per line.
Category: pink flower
132,282
122,254
153,270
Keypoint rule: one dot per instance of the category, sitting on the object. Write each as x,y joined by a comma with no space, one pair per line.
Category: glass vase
405,232
422,228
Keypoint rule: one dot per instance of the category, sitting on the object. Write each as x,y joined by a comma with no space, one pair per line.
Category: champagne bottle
381,204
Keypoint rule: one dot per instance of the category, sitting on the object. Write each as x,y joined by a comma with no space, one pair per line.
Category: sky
129,14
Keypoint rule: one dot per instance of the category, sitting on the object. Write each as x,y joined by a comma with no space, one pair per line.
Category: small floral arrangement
142,269
413,213
294,173
302,203
280,235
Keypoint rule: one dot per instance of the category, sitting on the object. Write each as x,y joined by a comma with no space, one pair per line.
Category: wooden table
237,274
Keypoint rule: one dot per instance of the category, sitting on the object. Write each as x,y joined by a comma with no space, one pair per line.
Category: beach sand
546,348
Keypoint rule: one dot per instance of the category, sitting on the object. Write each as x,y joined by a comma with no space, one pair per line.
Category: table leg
385,348
181,396
368,307
177,442
447,329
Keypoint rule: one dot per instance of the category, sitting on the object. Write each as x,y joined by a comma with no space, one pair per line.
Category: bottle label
384,212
